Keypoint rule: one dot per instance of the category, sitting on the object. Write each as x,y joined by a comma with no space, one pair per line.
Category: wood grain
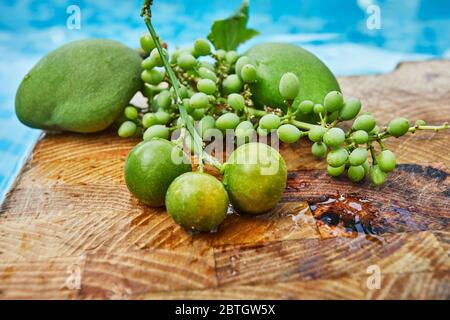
331,258
70,214
393,286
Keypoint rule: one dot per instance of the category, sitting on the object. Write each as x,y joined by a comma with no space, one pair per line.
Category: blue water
334,30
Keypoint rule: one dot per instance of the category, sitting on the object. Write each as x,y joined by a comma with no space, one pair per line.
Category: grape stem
301,124
386,134
372,153
334,123
435,128
256,112
146,14
381,143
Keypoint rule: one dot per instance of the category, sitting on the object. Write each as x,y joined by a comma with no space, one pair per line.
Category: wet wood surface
70,229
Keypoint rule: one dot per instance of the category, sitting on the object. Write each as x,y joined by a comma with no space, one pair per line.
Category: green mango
272,60
82,86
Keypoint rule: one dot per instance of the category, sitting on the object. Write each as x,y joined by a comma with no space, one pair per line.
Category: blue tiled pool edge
9,182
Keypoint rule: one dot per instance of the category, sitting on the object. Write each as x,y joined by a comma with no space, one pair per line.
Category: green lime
255,177
197,201
150,168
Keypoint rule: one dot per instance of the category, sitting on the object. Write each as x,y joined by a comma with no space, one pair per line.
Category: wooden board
70,229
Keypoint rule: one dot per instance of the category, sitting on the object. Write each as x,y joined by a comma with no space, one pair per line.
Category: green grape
366,167
175,55
306,107
212,99
420,123
186,61
398,127
191,92
147,43
386,161
318,108
334,137
360,137
148,120
335,171
187,105
289,86
156,58
333,101
162,117
205,73
147,64
377,176
232,84
192,52
364,122
227,121
356,173
152,76
207,65
337,157
319,149
199,101
160,87
245,125
152,104
184,92
248,73
156,131
333,116
221,54
211,134
244,131
131,113
127,129
262,132
270,122
242,61
173,108
206,86
231,57
148,91
164,99
202,47
350,109
206,124
289,133
358,156
198,114
315,134
236,101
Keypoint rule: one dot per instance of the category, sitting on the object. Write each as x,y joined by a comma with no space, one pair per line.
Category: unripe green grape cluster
215,92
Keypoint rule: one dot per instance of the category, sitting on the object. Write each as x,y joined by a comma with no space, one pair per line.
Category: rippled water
334,30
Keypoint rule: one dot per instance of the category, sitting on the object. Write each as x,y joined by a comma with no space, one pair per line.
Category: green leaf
229,33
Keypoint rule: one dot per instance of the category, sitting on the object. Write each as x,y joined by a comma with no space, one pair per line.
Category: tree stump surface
69,229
